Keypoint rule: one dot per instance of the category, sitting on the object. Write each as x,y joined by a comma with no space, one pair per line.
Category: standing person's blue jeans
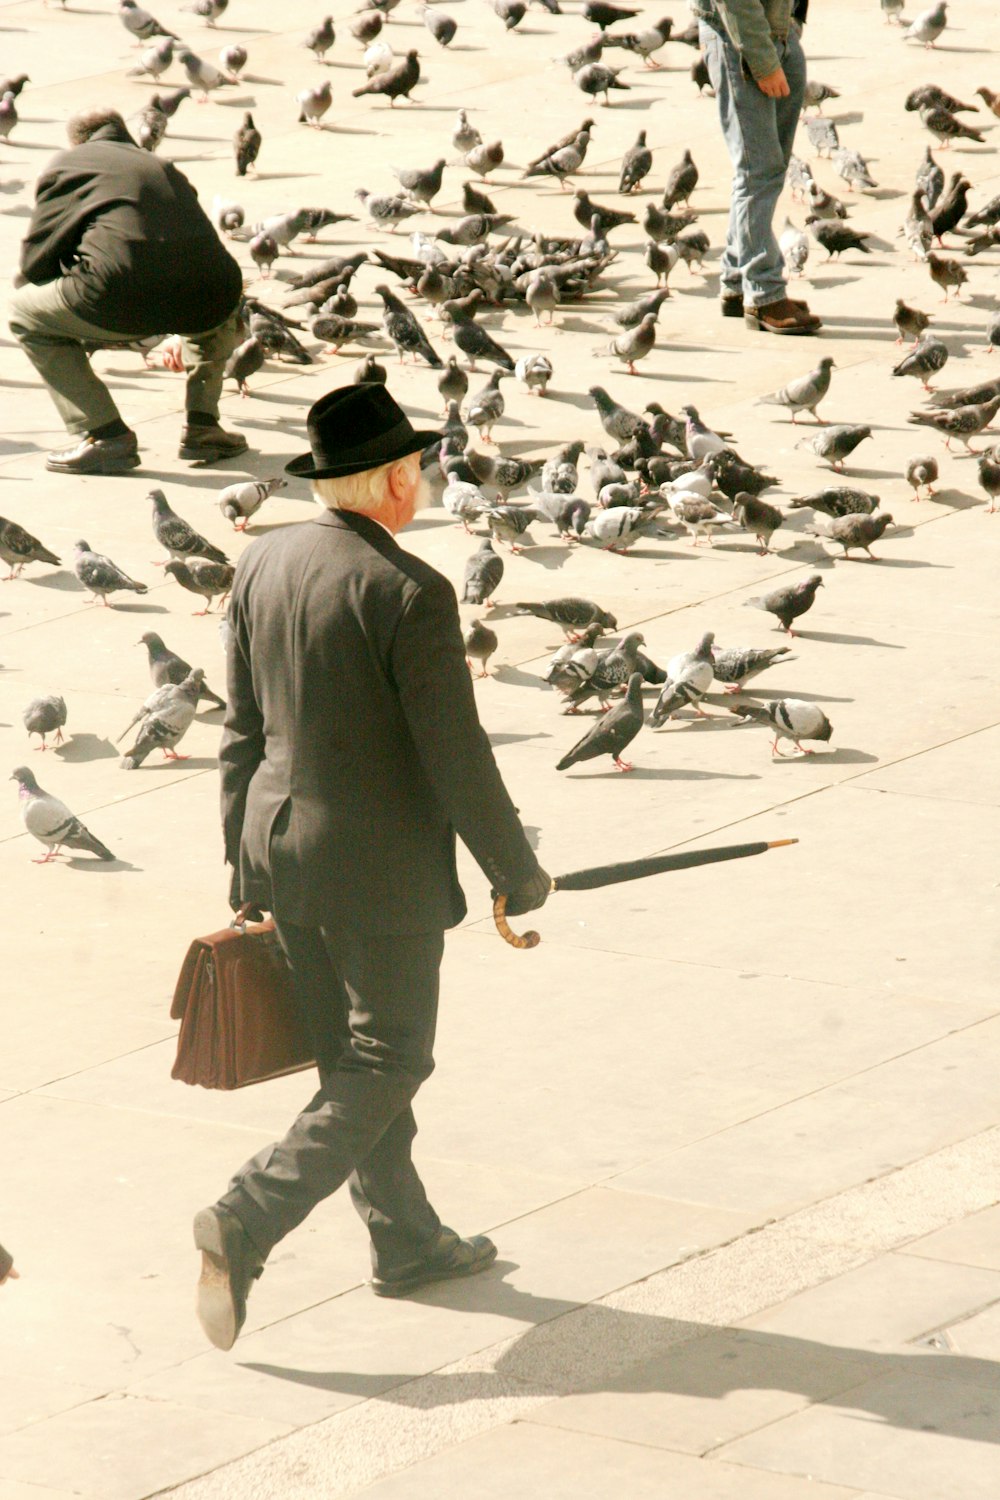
759,135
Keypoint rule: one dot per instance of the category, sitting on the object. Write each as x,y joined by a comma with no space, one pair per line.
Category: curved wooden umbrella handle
529,940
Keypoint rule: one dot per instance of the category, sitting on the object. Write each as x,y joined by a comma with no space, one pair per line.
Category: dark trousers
370,1004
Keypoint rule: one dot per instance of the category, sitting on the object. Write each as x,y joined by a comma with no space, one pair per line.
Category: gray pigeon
200,576
405,332
789,602
637,163
736,665
140,23
838,500
924,360
483,573
612,733
759,518
929,25
314,102
480,644
155,60
822,135
167,669
101,576
201,74
176,536
836,443
487,407
571,614
803,394
964,422
422,184
165,724
321,39
46,716
853,531
612,670
635,343
51,822
791,719
689,677
238,502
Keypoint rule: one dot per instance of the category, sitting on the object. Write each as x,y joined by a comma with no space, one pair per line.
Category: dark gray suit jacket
352,751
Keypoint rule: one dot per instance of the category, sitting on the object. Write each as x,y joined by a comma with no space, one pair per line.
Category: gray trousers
53,337
370,1006
760,133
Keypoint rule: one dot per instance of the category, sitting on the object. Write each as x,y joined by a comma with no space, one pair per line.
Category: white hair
367,491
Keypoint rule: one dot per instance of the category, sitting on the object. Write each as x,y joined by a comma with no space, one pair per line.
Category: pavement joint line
391,1432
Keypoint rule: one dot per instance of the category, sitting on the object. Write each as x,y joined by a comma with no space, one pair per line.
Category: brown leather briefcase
239,1021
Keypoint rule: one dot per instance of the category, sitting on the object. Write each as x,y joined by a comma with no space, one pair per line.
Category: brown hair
84,126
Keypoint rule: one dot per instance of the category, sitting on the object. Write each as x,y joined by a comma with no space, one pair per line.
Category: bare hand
12,1275
774,85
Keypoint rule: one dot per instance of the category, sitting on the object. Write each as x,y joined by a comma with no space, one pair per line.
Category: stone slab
974,1241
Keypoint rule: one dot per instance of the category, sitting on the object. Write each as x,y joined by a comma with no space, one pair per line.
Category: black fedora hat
354,428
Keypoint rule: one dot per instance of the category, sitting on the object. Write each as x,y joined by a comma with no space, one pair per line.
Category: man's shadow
580,1350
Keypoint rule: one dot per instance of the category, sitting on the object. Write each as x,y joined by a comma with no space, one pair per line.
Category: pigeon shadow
549,557
187,763
140,609
506,673
104,866
83,747
671,773
61,581
497,740
846,640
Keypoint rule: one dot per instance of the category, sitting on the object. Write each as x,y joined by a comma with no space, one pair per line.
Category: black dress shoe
115,455
447,1257
229,1264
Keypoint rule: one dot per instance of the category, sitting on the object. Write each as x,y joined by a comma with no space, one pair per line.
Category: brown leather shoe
89,455
731,304
447,1257
782,317
208,445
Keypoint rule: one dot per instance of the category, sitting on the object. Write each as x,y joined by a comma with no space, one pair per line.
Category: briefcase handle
242,917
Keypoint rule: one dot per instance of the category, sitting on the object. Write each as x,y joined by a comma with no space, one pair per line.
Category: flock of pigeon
656,474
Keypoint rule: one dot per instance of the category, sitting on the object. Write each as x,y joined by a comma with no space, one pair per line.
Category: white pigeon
929,25
702,442
791,719
241,501
696,482
534,371
689,677
201,74
464,501
794,244
616,529
51,822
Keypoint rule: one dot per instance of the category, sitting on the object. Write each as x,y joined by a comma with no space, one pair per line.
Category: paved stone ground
734,1132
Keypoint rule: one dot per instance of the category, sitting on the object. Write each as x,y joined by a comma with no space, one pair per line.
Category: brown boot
782,317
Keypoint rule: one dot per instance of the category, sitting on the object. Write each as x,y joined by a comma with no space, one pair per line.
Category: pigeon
419,183
454,383
508,523
635,343
238,502
200,576
18,548
487,407
366,26
140,23
542,295
610,672
791,719
46,716
370,372
480,644
465,501
396,82
817,93
8,116
617,421
483,573
637,163
664,227
314,102
101,576
943,124
987,215
736,665
246,359
689,677
822,135
152,125
475,202
441,27
836,237
176,536
837,500
643,43
789,602
200,74
612,733
853,168
483,159
405,332
924,360
208,10
928,26
930,179
574,663
571,614
803,394
388,209
154,61
465,134
661,260
681,182
733,477
619,528
910,321
853,531
922,471
603,15
759,518
964,422
836,443
794,246
632,314
334,330
972,395
947,273
692,248
701,442
322,37
952,207
535,372
596,78
823,205
168,669
990,99
51,822
698,515
246,143
892,10
166,724
799,177
263,252
989,477
562,163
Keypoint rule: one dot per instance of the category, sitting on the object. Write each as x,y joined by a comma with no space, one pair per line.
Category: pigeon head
176,569
159,500
705,644
633,642
605,620
151,641
814,581
25,778
827,363
81,546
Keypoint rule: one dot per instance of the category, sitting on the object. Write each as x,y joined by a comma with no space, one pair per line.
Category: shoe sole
210,455
106,470
216,1308
796,331
427,1278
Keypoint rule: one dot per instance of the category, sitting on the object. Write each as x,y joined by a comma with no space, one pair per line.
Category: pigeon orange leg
623,765
172,755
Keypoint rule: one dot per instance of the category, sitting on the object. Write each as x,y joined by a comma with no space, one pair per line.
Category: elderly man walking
755,61
119,248
352,756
